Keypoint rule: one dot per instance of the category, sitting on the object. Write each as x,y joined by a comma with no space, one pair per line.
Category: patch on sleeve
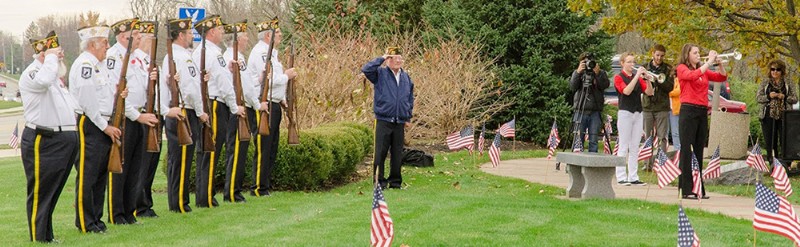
192,71
32,74
264,58
221,61
242,65
86,72
110,63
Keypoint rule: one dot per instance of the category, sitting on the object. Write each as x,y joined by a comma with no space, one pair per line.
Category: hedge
326,156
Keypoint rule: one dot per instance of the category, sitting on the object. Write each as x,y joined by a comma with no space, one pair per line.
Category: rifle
115,158
293,138
183,129
153,140
266,86
207,140
244,125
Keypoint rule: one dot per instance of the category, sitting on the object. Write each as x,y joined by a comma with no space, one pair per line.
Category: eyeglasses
776,69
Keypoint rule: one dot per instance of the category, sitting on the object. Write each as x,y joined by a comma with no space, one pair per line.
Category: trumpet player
630,85
693,76
774,96
656,107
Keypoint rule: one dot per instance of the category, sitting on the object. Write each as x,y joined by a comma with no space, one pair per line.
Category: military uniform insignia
264,57
110,63
221,61
192,71
32,74
146,60
86,72
242,65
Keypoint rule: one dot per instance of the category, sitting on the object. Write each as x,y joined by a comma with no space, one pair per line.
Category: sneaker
623,182
637,182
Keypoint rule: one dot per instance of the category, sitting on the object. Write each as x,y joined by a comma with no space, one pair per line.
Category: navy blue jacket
393,103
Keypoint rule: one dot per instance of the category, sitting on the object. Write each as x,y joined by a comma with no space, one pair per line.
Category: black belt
61,128
694,106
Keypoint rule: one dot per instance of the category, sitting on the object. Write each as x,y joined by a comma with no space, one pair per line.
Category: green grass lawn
9,104
15,76
452,204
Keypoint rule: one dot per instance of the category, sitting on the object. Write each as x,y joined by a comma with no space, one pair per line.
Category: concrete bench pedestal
590,174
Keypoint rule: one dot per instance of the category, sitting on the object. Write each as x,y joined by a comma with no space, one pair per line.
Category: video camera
588,73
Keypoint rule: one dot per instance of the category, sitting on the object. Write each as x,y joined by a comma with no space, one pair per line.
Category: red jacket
694,84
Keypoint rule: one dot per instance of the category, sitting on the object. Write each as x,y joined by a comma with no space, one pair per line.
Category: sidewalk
541,170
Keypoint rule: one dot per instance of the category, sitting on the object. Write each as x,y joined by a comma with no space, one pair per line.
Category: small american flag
697,183
666,170
552,141
14,141
494,151
461,139
647,150
713,169
677,159
577,145
755,160
781,179
687,237
507,130
382,228
481,140
616,148
608,128
773,213
606,144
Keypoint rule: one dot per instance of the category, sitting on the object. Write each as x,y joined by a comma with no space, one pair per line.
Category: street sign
194,13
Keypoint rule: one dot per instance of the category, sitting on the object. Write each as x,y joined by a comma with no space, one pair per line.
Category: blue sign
194,13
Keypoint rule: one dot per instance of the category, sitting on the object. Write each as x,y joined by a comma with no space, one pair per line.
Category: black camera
588,72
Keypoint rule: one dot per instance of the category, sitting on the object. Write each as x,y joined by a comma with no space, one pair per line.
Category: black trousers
47,161
266,152
144,201
179,163
91,181
693,122
204,176
123,188
236,152
772,138
389,138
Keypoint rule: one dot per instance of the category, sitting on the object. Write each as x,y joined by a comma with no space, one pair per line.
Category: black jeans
692,130
772,135
389,137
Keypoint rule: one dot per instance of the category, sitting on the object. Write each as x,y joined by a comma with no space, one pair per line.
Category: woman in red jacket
694,76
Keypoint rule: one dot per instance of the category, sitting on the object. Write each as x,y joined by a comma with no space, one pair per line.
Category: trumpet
735,55
653,76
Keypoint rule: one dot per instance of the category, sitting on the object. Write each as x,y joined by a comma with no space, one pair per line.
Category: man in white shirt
267,145
49,140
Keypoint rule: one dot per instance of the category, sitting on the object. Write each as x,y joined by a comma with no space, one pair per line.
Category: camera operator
587,84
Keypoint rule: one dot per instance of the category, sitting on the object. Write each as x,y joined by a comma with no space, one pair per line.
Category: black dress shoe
147,214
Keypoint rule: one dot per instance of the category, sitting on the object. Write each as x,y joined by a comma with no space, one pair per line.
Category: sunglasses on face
776,69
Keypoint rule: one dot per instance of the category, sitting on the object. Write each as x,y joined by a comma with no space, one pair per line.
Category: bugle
653,76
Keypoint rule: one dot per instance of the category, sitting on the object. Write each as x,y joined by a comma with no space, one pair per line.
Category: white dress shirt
138,78
45,100
189,85
91,86
250,89
220,82
257,60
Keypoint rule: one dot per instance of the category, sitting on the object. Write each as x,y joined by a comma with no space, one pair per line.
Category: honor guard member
223,104
179,158
122,186
90,85
267,146
144,200
49,141
236,150
394,103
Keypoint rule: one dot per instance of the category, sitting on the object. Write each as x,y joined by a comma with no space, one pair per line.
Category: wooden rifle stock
207,139
115,158
244,126
266,85
293,138
183,129
153,139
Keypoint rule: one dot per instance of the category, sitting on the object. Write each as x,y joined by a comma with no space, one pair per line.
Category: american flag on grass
461,139
508,130
14,141
666,170
382,227
606,144
687,237
781,179
773,213
494,151
713,169
755,160
697,182
647,150
676,160
616,148
481,140
552,141
577,145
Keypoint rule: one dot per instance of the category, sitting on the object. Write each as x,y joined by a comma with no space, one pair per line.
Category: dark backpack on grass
412,157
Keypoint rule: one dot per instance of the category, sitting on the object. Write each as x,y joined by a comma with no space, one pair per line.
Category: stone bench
590,174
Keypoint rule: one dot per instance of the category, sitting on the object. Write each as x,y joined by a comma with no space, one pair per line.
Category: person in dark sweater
393,106
657,107
588,101
630,85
